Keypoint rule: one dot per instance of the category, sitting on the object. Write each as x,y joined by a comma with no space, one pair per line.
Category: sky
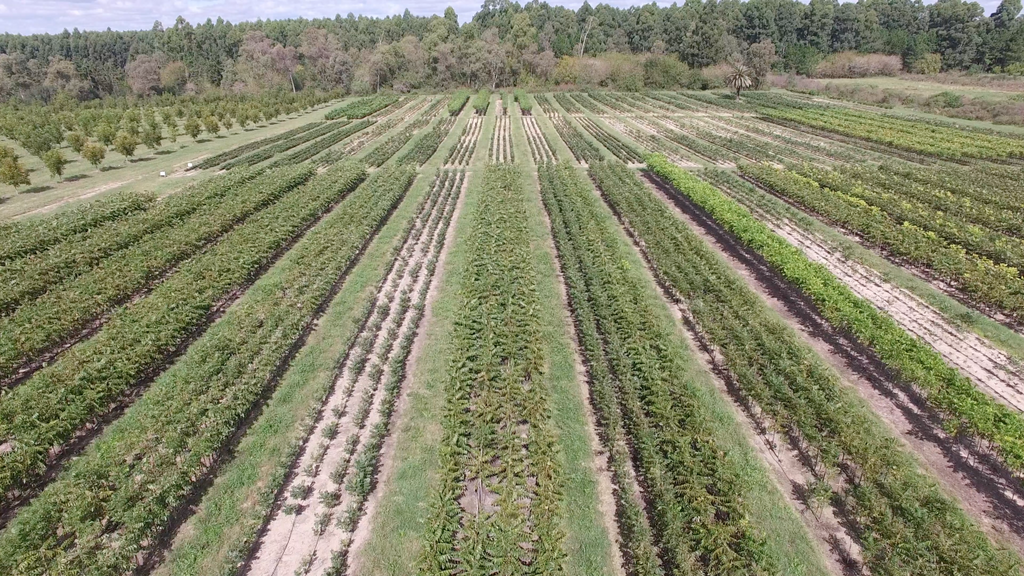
33,16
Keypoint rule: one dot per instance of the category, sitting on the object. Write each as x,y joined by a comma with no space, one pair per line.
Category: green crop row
481,101
931,139
524,100
617,145
545,104
496,423
107,509
985,281
672,100
645,397
700,147
458,102
462,152
581,148
50,407
754,149
793,145
901,518
362,108
317,146
26,279
917,206
595,97
567,103
379,129
64,311
969,410
989,207
388,148
428,143
540,148
587,103
654,141
24,238
998,186
218,159
434,108
708,101
268,152
640,103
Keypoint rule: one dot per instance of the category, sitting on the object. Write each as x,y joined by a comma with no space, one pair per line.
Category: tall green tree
818,21
55,162
13,173
125,144
957,27
94,154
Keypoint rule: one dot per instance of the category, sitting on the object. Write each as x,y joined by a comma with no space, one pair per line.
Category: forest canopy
504,44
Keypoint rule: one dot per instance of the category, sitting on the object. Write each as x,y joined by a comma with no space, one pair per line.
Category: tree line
504,43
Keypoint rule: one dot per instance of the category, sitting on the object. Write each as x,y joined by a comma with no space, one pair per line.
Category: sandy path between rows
970,475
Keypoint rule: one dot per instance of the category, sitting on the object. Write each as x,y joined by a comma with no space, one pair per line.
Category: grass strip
227,522
318,146
362,108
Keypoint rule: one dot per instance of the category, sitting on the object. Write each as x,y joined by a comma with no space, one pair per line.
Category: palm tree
739,79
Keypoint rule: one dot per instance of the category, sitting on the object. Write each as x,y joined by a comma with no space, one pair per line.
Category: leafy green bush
458,102
946,99
664,71
481,101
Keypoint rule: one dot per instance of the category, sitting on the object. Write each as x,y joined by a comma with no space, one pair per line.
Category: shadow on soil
36,189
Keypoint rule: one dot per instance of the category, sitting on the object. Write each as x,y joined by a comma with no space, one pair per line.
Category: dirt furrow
541,143
790,468
991,369
660,127
535,148
462,153
363,528
317,512
501,141
966,471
